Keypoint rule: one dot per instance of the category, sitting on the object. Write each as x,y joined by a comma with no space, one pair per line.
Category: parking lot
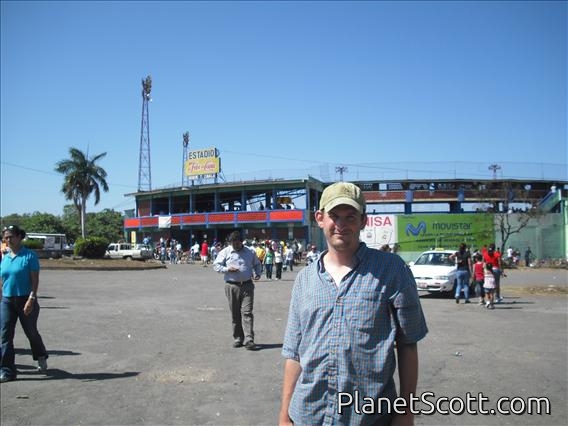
154,347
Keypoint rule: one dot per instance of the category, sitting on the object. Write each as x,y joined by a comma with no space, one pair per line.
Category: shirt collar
359,255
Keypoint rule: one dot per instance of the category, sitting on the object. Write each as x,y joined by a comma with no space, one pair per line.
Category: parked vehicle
127,251
434,271
52,245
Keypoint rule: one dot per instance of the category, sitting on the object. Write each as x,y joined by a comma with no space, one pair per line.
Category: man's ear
363,221
318,216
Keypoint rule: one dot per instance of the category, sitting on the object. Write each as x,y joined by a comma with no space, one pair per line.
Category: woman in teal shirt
20,277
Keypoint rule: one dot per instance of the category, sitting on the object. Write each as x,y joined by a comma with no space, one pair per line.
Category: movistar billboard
422,232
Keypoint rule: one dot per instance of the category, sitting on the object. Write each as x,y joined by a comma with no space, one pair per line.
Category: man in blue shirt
239,264
348,312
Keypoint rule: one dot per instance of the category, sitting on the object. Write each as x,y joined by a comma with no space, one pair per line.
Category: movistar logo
411,229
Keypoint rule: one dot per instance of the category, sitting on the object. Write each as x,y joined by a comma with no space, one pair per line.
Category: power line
410,167
19,166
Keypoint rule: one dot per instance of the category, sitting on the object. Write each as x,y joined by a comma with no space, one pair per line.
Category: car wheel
128,257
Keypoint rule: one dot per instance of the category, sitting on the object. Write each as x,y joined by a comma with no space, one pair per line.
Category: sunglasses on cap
15,229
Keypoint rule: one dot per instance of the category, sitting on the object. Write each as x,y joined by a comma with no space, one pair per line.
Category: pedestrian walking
20,281
462,258
239,267
528,255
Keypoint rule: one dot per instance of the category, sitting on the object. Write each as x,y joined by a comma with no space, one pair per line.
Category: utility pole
341,170
494,168
144,170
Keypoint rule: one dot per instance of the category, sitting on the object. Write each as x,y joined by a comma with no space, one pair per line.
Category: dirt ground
153,347
120,265
99,264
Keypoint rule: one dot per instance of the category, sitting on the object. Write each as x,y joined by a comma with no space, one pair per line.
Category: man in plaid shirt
347,313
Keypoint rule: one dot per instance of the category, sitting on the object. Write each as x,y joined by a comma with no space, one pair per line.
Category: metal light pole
184,177
144,170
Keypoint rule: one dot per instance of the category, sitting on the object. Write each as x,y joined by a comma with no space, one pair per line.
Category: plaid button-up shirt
344,336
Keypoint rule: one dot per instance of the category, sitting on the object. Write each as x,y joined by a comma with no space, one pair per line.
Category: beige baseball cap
342,193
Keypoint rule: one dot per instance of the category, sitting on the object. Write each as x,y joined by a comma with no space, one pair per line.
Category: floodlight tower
144,170
184,178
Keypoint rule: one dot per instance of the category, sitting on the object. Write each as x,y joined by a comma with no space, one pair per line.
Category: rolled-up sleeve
293,334
409,315
219,265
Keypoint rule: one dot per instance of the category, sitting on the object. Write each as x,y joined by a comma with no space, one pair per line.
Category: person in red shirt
204,253
478,274
492,257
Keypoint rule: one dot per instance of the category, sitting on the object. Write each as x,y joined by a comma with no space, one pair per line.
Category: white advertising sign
380,230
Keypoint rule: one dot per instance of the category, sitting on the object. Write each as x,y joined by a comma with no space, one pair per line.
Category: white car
434,271
127,251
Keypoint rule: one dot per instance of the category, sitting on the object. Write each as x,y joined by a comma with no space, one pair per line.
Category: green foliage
71,221
35,222
12,219
82,178
33,244
106,224
42,222
91,248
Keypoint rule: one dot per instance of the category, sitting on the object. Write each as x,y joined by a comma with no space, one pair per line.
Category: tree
107,224
82,177
35,222
71,221
509,223
12,219
512,206
42,222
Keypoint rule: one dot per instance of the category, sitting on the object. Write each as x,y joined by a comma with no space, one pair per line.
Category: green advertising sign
421,232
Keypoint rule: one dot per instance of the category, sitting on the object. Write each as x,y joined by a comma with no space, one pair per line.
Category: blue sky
283,89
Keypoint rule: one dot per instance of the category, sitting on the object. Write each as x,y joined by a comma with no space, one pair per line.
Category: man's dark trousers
241,299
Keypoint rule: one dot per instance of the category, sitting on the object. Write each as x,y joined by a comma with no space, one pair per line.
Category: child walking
489,286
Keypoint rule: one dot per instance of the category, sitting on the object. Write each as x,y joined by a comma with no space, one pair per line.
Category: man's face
237,244
341,227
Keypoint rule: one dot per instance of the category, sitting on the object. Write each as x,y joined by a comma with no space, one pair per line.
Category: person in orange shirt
492,256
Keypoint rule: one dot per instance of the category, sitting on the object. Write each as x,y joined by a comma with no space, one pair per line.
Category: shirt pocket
364,311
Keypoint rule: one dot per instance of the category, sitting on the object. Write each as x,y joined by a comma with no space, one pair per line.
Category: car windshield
435,259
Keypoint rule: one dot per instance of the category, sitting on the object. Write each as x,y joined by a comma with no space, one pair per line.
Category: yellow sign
202,166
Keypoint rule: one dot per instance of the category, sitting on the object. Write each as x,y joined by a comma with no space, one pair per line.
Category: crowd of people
276,256
483,269
479,271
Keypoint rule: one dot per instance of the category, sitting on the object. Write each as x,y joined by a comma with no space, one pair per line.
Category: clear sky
283,89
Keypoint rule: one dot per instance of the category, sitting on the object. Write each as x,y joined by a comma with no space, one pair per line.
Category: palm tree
82,178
